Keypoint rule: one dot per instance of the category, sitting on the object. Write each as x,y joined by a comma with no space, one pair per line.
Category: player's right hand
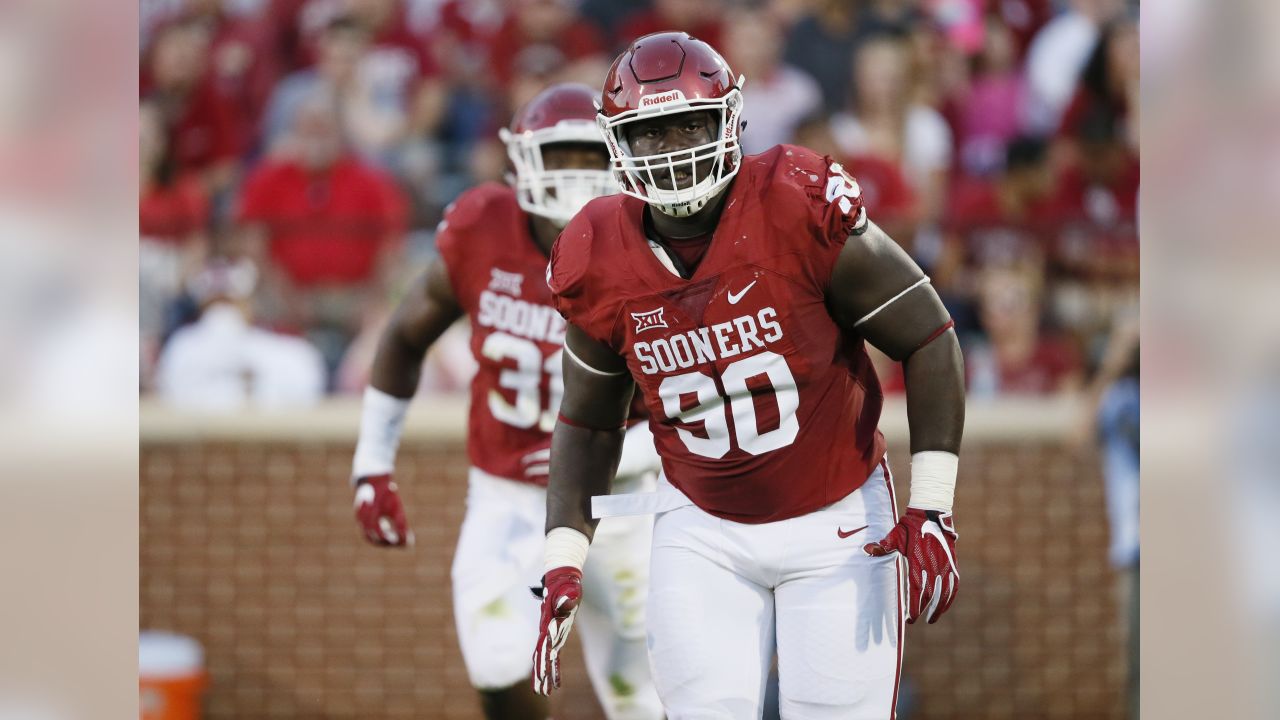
561,593
380,512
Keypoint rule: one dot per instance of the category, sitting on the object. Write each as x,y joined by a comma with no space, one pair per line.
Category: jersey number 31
525,379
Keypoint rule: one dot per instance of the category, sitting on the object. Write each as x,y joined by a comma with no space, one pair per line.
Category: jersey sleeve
826,201
839,212
451,242
568,278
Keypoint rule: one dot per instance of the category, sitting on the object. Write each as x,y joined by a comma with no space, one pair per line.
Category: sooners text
524,319
704,345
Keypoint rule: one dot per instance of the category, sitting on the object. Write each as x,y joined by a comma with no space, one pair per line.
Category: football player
738,294
494,244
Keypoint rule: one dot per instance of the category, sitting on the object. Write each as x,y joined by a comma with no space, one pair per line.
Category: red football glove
380,512
561,593
927,539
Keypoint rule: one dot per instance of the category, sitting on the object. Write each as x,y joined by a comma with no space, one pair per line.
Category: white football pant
499,557
724,595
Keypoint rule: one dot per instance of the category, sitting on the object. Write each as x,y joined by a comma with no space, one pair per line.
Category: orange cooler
171,676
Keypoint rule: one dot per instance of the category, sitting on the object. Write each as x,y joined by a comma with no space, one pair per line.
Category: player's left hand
561,593
927,539
380,512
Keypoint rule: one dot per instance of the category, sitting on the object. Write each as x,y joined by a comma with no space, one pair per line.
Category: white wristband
381,422
565,547
933,480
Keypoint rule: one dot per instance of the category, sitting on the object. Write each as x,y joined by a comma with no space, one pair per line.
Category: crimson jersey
498,274
761,406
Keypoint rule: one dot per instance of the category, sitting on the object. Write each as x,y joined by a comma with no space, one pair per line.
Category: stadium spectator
1015,357
961,23
290,24
1096,251
173,209
402,78
325,227
829,31
777,96
394,98
1056,57
203,133
223,363
699,19
1023,18
1100,189
891,17
608,15
242,66
152,14
339,52
986,109
295,26
1109,83
543,33
461,35
1011,219
884,120
542,67
936,60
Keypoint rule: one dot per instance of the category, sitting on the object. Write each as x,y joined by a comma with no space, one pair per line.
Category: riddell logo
661,99
649,320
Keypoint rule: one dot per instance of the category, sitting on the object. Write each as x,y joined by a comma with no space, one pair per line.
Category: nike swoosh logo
844,534
735,297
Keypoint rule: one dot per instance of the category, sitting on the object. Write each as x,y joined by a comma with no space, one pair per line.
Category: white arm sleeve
381,422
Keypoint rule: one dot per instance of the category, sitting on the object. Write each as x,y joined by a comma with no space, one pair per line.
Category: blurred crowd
296,156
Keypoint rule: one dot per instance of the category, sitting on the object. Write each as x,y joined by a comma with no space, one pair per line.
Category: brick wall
250,546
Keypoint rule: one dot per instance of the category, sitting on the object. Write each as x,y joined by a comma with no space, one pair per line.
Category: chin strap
684,209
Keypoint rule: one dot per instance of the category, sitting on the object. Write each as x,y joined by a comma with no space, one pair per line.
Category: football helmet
561,113
662,74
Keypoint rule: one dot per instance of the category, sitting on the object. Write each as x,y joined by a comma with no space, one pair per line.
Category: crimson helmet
661,74
561,113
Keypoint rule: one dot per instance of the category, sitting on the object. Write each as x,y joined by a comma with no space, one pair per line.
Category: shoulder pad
570,257
795,167
483,202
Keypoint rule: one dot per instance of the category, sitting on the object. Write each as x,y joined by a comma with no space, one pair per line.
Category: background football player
737,293
494,243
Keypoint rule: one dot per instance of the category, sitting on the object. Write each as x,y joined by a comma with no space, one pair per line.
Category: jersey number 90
707,407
